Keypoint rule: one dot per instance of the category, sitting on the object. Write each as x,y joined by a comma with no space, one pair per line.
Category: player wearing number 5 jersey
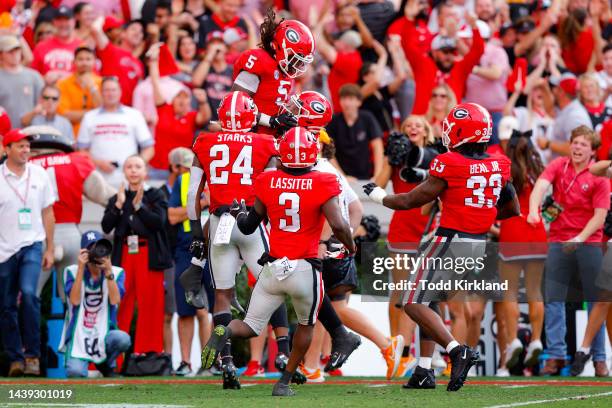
229,161
296,200
267,73
474,190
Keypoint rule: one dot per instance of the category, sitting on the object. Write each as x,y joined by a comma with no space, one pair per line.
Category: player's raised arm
339,226
425,192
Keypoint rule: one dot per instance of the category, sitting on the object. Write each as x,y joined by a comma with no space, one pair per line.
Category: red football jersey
294,209
231,162
274,86
470,199
68,172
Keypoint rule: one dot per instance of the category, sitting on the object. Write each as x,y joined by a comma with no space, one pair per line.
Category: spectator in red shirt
424,37
581,202
344,58
122,60
177,123
53,57
577,41
441,66
592,98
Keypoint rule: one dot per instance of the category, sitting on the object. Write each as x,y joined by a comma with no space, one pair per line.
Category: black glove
283,120
368,188
413,174
198,247
238,208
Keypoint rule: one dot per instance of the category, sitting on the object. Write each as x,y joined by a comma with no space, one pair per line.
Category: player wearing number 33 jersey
474,189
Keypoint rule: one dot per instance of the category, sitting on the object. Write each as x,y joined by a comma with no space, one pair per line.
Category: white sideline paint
576,397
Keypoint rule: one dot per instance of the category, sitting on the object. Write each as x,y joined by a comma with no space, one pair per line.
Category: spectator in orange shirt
80,92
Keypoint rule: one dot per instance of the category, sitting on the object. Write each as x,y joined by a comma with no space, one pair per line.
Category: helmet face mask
312,110
294,65
294,47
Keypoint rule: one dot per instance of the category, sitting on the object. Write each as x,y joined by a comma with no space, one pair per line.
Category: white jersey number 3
242,165
291,201
478,184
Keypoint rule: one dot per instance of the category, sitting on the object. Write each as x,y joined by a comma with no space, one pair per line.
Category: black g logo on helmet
460,113
292,36
317,107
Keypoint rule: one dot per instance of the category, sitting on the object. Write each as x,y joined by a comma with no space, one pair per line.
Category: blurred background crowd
81,71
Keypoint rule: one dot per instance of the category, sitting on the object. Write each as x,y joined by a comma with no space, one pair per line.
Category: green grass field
344,392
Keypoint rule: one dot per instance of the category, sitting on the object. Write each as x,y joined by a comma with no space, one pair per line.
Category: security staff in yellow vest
180,161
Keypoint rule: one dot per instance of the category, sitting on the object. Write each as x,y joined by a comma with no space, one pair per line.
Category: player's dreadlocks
267,30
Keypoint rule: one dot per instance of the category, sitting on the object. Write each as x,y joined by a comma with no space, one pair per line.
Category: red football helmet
298,148
312,110
466,123
237,112
294,46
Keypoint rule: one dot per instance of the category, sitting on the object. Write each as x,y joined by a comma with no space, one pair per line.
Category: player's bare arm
424,193
341,229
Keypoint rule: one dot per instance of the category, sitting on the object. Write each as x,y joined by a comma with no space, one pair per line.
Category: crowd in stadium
105,99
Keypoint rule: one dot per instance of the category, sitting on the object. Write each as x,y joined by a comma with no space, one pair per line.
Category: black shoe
230,377
421,378
341,350
106,371
298,378
197,299
580,359
215,344
462,359
280,362
183,369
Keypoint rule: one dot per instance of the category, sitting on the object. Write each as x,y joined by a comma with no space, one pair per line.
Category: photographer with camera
93,291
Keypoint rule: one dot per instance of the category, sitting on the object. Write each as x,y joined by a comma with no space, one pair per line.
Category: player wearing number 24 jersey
474,189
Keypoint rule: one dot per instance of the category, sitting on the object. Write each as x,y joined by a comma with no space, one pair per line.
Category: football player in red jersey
229,161
296,200
73,175
267,73
474,189
314,112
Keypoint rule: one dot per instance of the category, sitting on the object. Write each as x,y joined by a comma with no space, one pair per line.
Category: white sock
585,350
450,346
425,362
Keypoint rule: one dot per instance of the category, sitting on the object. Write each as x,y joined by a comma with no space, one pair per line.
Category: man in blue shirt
93,290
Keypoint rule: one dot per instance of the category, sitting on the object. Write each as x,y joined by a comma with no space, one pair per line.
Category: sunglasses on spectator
50,98
437,95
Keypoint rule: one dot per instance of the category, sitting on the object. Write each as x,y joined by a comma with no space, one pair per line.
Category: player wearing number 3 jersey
230,161
296,200
474,190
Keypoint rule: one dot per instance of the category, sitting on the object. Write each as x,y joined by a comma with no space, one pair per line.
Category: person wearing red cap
570,115
26,216
121,60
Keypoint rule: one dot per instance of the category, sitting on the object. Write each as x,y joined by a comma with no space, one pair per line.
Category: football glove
413,174
374,192
238,208
283,120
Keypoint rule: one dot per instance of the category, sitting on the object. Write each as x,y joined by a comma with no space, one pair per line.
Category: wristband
377,195
264,119
195,261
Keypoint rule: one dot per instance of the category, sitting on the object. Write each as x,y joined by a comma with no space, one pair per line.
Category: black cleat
462,359
215,344
298,378
341,350
282,390
421,378
196,299
230,377
580,359
280,362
